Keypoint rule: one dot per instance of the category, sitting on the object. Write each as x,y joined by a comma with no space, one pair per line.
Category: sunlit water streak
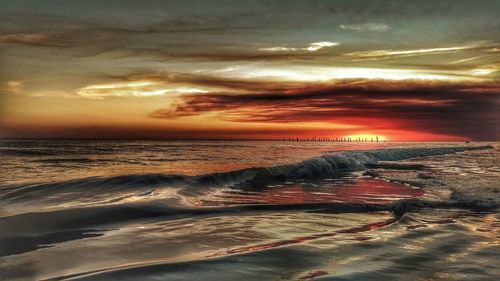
165,210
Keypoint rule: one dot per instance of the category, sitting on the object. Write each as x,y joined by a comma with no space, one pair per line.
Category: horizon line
241,139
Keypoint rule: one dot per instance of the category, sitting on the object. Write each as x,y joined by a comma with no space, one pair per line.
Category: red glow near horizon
363,191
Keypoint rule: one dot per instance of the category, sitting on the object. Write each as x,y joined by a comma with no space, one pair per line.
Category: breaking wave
315,168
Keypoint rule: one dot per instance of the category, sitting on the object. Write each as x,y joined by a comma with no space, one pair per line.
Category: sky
400,70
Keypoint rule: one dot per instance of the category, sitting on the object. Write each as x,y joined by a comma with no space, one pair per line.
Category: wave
329,164
40,223
49,228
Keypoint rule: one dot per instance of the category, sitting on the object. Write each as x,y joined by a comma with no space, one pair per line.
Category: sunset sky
402,70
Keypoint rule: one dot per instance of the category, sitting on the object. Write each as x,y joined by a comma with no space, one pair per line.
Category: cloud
486,70
133,89
163,83
467,59
260,78
311,73
14,87
203,81
53,93
366,27
312,47
459,110
36,39
381,54
183,37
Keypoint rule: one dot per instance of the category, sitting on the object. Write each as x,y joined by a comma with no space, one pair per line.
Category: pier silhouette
327,139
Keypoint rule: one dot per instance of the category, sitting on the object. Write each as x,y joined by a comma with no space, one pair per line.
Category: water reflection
359,190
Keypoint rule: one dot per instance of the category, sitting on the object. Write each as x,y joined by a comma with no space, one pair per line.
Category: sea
249,210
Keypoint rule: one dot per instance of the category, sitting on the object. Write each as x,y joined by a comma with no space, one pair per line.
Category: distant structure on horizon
325,139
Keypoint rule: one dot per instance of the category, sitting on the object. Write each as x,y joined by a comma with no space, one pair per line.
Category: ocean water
248,210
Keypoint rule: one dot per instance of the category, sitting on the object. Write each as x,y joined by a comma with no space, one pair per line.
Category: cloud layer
247,66
446,109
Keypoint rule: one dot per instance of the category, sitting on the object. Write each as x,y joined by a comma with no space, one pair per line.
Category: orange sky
400,71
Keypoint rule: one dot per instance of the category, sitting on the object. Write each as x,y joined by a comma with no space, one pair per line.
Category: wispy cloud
379,54
312,47
318,74
14,87
370,26
133,89
53,93
486,70
210,83
467,59
37,39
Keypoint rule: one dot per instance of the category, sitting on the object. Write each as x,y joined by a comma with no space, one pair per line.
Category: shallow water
164,210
